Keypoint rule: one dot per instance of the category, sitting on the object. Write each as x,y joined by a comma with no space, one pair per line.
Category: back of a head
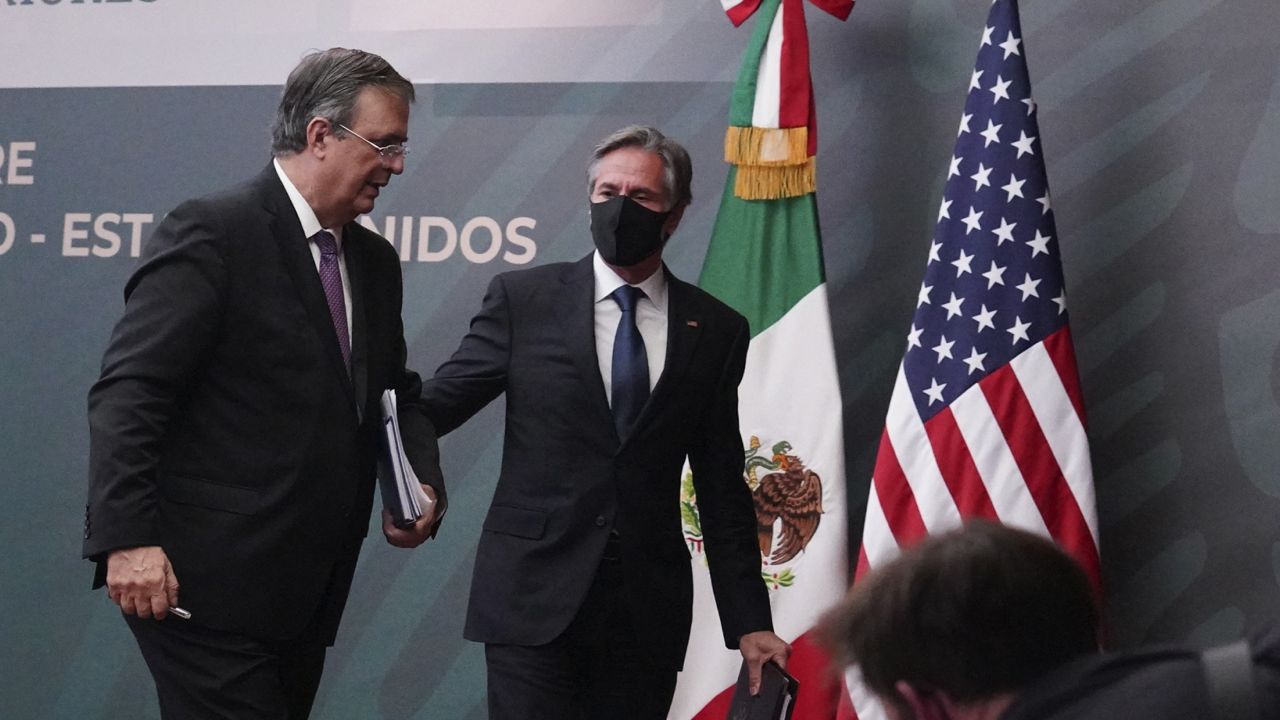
974,612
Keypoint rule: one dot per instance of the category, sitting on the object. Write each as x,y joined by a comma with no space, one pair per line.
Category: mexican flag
765,260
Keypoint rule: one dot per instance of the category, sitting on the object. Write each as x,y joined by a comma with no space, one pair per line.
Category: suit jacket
225,427
567,478
1154,683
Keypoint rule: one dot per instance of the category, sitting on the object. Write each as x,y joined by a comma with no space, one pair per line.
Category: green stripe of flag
742,104
765,255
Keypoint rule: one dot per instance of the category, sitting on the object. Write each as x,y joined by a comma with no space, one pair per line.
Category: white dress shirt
311,226
651,320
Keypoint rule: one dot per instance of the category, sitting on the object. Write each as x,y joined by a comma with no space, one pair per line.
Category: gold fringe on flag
766,146
773,182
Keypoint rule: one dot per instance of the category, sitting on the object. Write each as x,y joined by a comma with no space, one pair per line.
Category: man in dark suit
233,430
615,372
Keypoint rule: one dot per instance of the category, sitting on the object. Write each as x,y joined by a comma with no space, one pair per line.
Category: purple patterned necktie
331,279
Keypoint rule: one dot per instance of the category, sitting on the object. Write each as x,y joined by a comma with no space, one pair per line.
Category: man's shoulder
248,197
544,275
698,300
372,242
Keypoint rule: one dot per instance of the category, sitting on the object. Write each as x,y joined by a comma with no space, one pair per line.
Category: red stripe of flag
958,469
1039,469
794,98
1062,352
896,498
739,13
839,8
864,565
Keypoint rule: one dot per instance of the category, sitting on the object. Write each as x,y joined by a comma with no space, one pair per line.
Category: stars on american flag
1013,188
1010,46
1023,143
985,319
991,134
981,178
993,284
973,221
1000,90
974,361
994,276
1004,233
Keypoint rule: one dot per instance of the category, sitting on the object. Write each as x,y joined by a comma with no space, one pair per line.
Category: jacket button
600,521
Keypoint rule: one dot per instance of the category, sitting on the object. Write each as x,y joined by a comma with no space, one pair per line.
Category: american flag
986,417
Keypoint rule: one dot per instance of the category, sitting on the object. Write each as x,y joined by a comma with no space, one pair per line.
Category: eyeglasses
386,152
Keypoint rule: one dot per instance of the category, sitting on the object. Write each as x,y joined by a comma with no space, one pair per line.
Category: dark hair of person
677,167
327,84
974,612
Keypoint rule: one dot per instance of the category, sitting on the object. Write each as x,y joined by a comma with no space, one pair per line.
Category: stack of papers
402,494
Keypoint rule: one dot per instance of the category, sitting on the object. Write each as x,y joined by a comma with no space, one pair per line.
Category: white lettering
18,162
425,253
495,240
136,221
104,229
102,232
522,241
438,238
6,225
71,233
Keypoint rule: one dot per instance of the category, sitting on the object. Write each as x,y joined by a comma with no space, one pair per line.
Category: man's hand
141,581
759,648
414,536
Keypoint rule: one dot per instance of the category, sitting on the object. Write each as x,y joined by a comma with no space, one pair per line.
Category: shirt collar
307,216
654,286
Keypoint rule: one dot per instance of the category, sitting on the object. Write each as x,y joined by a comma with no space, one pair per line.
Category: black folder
776,699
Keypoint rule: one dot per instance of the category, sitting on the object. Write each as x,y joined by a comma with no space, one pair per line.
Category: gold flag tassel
766,146
772,163
773,182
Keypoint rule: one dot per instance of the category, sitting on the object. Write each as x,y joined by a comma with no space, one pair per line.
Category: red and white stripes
1012,448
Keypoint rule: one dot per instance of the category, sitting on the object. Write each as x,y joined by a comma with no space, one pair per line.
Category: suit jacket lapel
295,251
683,325
578,323
357,272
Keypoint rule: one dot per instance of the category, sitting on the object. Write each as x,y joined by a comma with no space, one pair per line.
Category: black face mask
626,232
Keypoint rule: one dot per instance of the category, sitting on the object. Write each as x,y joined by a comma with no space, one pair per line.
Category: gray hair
327,84
677,168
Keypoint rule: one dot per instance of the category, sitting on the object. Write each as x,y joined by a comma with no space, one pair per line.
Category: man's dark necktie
630,381
331,279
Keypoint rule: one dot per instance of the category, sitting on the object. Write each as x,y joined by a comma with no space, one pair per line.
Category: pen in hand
185,615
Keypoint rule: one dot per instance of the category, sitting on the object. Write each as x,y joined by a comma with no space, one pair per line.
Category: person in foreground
614,372
990,622
233,429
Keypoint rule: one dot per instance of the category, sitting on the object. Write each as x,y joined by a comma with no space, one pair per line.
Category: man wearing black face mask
615,372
